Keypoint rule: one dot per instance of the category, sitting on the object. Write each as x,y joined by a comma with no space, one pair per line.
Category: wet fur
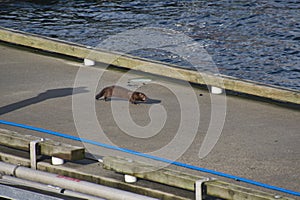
120,92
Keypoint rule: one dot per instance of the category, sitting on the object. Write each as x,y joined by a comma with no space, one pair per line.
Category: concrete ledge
153,67
182,180
48,147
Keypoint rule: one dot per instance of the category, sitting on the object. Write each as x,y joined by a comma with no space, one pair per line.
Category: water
257,40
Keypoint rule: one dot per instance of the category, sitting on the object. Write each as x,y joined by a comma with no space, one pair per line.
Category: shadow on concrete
49,94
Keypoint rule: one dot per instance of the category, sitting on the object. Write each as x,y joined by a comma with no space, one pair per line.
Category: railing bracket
34,153
199,189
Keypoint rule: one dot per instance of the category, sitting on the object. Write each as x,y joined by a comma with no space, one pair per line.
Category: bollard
130,179
56,161
88,62
216,90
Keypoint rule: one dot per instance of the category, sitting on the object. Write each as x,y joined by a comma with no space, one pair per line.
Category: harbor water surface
255,40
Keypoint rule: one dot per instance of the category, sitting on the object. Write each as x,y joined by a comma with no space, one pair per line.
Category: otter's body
120,92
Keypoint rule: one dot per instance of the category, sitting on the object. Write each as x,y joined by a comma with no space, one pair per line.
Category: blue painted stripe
221,174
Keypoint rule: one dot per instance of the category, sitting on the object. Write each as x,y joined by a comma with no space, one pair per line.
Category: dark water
257,40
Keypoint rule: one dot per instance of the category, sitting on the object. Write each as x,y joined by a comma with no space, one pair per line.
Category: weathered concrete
259,141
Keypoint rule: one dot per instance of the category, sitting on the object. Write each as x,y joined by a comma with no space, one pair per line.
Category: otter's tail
100,94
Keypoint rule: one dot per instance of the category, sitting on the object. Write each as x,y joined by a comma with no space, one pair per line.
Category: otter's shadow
151,101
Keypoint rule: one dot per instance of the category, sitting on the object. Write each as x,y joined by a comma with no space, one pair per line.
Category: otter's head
139,96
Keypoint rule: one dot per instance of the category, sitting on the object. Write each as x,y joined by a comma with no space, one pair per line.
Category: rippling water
257,40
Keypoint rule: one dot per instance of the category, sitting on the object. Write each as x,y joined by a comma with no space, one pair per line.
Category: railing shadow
49,94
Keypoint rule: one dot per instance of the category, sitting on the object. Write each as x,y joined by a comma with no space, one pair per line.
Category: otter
120,92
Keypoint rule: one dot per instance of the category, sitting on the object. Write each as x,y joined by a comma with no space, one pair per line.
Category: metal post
199,187
34,153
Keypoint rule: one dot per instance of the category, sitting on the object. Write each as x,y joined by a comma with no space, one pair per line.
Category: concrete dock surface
257,140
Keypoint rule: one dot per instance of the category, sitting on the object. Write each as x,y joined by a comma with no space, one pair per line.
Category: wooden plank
144,171
183,180
225,190
48,147
149,66
75,172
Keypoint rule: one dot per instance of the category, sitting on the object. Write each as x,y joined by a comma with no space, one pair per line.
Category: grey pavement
258,140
